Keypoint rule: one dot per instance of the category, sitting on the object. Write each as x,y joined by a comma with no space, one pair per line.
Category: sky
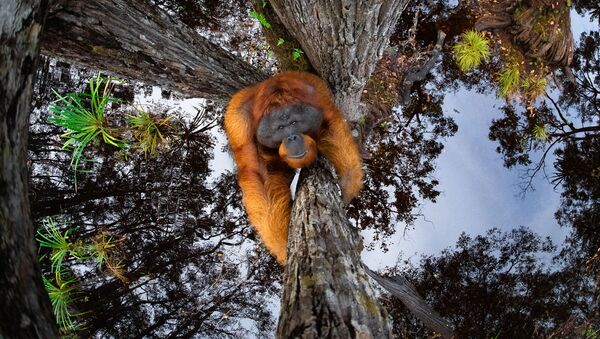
477,191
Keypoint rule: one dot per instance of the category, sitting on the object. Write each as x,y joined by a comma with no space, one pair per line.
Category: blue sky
477,191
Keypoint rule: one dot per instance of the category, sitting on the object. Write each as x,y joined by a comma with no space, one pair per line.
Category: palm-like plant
62,296
51,238
473,48
84,117
147,131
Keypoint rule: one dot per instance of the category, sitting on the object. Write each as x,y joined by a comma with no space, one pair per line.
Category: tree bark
343,41
136,41
541,28
327,292
24,305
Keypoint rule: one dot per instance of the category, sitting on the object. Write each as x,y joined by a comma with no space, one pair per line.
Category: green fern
260,17
297,53
471,50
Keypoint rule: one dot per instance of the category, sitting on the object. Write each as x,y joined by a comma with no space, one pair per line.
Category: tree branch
136,41
402,289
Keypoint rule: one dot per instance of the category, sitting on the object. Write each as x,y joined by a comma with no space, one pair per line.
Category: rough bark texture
327,292
24,305
541,27
343,40
135,41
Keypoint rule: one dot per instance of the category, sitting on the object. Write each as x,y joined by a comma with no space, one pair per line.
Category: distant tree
501,285
569,126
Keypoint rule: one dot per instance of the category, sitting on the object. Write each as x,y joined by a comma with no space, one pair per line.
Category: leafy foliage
400,169
571,125
471,50
62,295
297,53
83,115
260,17
499,283
147,131
62,290
534,86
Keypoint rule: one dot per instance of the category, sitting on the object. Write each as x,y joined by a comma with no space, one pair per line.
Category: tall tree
569,126
25,310
360,34
324,258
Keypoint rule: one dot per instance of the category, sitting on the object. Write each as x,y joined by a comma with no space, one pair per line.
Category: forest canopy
136,226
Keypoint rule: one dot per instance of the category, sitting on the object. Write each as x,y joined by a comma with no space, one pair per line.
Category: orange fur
265,176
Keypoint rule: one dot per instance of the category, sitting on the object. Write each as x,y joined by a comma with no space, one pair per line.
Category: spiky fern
473,48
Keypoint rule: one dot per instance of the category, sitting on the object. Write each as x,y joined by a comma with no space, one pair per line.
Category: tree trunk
343,41
542,29
327,293
326,290
135,41
24,305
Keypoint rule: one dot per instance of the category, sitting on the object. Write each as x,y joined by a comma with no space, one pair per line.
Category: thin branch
576,130
540,164
559,111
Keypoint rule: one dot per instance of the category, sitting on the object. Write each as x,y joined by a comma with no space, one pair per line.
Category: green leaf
297,53
280,41
261,18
